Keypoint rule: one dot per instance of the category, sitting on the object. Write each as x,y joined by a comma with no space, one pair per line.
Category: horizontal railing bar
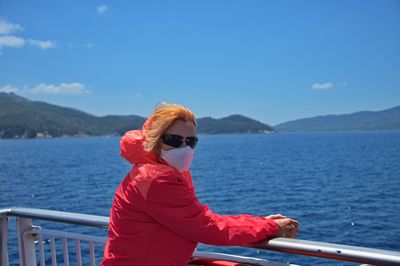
242,259
57,216
331,251
68,235
5,212
295,246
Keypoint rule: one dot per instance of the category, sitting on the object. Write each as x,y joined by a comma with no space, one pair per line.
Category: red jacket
156,218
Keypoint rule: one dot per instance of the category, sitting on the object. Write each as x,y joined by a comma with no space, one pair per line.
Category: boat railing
32,240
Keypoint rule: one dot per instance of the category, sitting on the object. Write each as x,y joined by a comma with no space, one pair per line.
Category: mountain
22,118
231,124
388,119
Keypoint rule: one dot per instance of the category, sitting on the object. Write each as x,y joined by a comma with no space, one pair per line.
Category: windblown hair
161,119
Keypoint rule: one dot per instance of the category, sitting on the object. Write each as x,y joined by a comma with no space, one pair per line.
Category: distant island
385,120
23,118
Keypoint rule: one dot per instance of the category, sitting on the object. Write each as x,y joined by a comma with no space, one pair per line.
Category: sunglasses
176,140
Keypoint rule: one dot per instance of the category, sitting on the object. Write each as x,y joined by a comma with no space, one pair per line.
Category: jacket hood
131,145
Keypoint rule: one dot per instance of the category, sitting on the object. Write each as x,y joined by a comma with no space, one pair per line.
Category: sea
343,187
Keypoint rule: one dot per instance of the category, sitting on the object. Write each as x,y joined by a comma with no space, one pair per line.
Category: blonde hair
162,118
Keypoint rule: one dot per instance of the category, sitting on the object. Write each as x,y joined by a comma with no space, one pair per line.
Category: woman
156,218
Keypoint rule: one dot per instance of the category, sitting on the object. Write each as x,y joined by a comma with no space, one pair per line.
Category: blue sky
273,61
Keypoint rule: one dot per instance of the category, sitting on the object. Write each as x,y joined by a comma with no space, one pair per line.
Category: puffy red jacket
156,218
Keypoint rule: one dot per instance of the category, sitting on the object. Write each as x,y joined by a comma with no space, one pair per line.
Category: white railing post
3,240
26,245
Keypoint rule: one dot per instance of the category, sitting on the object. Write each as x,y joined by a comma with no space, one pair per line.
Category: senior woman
156,218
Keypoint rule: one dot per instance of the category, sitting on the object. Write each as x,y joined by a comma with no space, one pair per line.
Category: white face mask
179,158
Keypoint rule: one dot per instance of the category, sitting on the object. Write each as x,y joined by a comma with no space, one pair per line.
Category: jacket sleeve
176,207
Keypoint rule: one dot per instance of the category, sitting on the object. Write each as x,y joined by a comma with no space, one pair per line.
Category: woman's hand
275,216
287,227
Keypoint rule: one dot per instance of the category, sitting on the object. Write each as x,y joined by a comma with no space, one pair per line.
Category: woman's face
181,128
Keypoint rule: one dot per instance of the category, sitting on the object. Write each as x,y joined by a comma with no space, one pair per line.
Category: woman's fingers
294,222
291,232
275,216
294,229
289,227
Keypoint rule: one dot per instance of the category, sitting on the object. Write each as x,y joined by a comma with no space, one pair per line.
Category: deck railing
32,237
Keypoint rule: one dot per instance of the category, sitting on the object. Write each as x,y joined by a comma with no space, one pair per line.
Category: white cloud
8,28
11,41
42,44
7,40
328,85
74,88
322,86
101,9
9,88
14,41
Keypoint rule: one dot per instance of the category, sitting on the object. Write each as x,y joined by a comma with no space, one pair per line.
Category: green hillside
231,124
388,119
22,118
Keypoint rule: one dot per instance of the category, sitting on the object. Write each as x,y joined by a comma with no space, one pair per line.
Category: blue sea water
342,187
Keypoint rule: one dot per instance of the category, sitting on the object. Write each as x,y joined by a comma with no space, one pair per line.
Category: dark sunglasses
176,140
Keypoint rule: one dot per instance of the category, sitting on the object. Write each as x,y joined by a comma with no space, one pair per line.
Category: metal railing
28,235
65,237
